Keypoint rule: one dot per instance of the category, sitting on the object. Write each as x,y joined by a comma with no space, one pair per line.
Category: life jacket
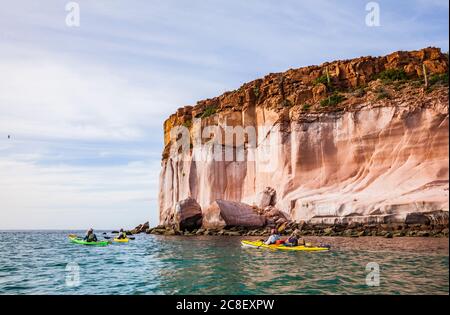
293,241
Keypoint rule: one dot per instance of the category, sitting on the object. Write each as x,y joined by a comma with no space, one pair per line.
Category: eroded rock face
268,197
427,218
188,214
369,159
224,213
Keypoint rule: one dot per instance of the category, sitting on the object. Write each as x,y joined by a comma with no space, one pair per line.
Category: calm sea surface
45,262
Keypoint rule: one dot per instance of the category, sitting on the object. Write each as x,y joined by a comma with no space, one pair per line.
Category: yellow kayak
259,244
121,240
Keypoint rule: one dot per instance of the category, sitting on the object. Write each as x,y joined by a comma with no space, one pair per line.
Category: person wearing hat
274,236
122,234
90,236
294,239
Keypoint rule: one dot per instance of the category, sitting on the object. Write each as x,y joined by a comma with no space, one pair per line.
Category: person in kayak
295,239
90,236
122,235
273,238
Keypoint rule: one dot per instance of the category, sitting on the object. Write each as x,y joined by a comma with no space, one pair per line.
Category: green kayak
80,241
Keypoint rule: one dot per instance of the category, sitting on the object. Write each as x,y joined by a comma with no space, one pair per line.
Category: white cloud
47,99
66,196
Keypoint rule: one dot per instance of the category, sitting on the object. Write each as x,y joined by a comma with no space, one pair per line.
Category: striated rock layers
362,140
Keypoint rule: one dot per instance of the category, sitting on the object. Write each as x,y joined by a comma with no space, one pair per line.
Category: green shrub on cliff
382,95
286,103
256,91
438,79
187,123
211,110
360,92
322,80
392,75
306,107
332,100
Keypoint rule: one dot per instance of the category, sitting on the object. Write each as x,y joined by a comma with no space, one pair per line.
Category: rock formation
188,215
138,229
224,213
267,197
357,140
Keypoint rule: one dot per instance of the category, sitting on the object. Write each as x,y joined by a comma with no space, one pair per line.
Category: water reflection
214,265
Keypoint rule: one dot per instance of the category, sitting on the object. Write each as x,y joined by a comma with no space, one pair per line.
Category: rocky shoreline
345,230
416,224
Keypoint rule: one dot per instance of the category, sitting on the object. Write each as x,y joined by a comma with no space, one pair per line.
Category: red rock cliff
363,139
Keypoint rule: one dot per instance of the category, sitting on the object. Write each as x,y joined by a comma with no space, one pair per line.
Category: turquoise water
37,263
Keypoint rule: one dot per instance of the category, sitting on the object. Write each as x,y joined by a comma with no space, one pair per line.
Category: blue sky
85,105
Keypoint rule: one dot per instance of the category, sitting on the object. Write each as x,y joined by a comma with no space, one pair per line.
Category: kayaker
90,236
294,239
274,236
122,235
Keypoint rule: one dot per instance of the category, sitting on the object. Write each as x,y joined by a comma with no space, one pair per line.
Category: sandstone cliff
358,140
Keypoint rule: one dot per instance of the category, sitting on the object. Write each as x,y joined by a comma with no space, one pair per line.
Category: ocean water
45,262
